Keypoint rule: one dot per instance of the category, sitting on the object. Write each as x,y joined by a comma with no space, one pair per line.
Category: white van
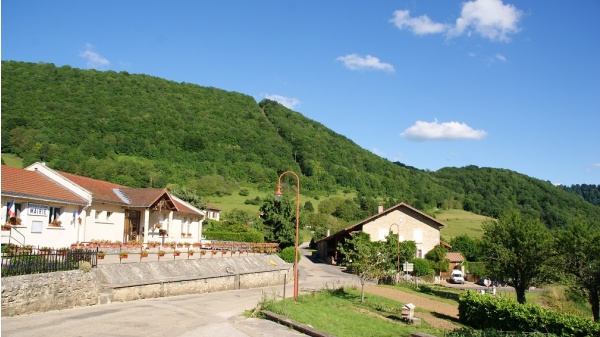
457,276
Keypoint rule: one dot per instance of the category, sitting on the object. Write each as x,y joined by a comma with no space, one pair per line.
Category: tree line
143,131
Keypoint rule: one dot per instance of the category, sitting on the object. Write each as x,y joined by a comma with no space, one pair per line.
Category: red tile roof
455,257
24,183
105,191
102,191
31,184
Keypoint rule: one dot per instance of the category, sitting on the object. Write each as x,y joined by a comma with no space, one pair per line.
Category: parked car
481,281
457,277
493,282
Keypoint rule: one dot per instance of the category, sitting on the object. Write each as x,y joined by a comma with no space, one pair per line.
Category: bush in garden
287,254
505,314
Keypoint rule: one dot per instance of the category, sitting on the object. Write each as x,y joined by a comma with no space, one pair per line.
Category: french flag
77,215
11,209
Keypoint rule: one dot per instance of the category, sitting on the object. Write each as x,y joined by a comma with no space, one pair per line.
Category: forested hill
143,131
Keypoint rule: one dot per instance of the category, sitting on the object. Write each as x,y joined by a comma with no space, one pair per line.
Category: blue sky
431,84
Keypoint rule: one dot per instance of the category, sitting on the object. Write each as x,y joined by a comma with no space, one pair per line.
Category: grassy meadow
460,222
12,160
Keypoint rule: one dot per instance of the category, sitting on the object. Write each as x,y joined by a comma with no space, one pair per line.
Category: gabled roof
455,257
357,226
102,191
211,207
32,184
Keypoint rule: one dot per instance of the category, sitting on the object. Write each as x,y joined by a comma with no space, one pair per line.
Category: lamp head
278,194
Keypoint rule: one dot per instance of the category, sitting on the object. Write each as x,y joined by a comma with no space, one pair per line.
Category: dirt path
437,308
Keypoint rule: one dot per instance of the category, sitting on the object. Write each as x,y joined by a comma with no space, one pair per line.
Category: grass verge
339,312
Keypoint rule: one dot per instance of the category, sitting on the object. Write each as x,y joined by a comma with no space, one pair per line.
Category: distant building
58,209
212,212
409,223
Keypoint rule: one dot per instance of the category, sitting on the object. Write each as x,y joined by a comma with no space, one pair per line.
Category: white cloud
441,131
500,57
491,19
418,25
287,102
356,62
94,60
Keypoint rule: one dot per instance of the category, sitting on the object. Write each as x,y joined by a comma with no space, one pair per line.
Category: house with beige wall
409,223
90,209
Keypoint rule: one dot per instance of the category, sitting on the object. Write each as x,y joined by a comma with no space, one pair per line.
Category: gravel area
437,308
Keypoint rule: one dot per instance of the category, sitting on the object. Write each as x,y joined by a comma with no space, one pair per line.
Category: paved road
213,314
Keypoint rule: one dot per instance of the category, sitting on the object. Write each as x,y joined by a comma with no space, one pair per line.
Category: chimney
379,209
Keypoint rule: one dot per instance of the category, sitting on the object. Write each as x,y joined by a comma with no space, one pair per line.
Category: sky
431,84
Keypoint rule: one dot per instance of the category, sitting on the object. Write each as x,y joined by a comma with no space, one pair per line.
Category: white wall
425,236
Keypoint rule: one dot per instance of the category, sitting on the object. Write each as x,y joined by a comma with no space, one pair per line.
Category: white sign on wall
37,209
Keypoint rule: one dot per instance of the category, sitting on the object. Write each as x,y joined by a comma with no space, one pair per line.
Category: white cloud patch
421,25
491,19
441,131
356,62
94,60
500,57
287,102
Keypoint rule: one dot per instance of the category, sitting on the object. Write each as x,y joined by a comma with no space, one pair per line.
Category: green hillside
204,142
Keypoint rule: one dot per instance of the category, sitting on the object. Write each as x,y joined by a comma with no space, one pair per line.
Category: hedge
481,311
287,254
236,236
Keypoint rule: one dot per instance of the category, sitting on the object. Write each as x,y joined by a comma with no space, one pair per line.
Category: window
418,235
420,253
17,210
381,234
54,213
108,214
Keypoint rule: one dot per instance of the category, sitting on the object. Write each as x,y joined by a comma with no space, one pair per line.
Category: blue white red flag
77,215
11,209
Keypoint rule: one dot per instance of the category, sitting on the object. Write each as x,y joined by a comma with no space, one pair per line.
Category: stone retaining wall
132,281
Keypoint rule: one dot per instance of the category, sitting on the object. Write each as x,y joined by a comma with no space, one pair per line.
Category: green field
460,222
12,160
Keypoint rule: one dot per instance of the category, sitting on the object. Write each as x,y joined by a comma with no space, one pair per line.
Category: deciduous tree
518,249
366,259
579,248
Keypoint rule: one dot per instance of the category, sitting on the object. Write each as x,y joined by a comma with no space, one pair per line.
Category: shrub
506,314
85,266
236,236
287,254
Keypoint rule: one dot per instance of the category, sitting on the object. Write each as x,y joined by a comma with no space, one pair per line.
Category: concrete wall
50,291
132,281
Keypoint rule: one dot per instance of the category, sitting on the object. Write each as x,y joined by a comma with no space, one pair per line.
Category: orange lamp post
278,196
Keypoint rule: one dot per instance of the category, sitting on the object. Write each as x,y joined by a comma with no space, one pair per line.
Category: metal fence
19,261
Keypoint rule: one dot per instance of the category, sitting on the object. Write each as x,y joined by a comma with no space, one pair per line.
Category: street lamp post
278,196
398,245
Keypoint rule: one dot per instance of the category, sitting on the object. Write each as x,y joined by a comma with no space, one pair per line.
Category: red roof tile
101,190
31,184
454,256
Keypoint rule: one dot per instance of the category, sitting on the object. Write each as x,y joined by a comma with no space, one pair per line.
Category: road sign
407,266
